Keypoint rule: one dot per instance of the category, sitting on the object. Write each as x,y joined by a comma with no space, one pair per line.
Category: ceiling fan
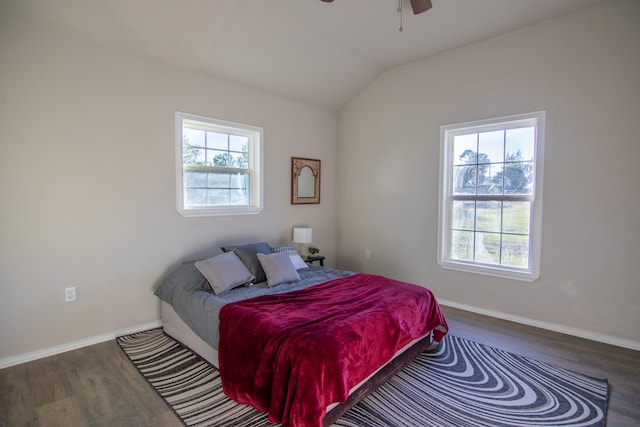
418,6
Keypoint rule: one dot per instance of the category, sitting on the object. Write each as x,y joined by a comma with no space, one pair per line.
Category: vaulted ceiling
309,50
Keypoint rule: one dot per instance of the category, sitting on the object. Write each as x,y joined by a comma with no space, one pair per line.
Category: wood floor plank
16,400
98,385
49,383
60,413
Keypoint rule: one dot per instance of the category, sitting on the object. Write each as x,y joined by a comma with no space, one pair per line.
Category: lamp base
302,250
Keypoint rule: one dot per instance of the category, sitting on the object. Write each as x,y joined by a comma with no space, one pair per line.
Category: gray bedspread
189,293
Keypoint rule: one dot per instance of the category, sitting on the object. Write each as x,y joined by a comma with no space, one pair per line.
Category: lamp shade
302,234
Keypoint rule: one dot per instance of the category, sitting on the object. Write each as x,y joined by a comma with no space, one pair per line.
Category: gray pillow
247,254
278,268
224,272
185,276
296,259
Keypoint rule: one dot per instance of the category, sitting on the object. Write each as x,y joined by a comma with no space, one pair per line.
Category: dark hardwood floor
98,386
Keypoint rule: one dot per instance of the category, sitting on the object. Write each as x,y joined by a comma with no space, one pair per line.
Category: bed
303,343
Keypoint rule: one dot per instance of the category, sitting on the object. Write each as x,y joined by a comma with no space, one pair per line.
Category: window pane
239,180
195,179
464,179
194,137
487,248
219,158
515,250
192,155
218,180
196,196
491,147
218,140
239,160
206,188
490,178
239,143
488,216
239,197
520,144
518,178
515,217
462,245
463,215
465,149
218,197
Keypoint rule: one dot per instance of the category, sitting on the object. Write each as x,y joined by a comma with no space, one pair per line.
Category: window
218,167
491,196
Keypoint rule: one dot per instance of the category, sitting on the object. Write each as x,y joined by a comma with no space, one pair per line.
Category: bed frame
362,390
176,328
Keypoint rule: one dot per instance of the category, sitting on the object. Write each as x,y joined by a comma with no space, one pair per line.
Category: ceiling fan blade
327,1
419,6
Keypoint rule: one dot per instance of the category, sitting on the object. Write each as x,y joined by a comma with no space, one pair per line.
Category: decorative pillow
278,268
247,254
296,259
224,272
184,276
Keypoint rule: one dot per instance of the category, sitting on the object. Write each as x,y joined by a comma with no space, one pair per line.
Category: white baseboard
607,339
594,336
51,351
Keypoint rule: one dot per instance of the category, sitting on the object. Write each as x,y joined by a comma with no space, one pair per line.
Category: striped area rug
461,383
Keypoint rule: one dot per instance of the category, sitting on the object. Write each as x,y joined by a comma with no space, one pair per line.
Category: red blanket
293,354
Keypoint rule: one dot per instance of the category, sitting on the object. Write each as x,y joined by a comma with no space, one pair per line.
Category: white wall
583,69
87,181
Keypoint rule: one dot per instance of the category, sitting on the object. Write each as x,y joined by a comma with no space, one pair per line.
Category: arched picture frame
305,181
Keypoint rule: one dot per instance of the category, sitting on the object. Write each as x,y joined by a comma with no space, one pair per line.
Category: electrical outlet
367,254
70,294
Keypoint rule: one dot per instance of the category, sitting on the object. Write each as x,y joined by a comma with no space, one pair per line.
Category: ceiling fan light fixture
419,6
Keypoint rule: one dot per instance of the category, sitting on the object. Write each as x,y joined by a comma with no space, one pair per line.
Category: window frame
446,197
255,168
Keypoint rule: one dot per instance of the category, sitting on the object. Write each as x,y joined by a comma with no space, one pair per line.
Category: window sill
522,275
219,211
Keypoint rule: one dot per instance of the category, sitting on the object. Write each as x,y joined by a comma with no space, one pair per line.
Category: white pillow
296,259
278,268
224,272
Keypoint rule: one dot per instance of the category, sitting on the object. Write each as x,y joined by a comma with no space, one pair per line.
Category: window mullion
222,169
475,228
493,197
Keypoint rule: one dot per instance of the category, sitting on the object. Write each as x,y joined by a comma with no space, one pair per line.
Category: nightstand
313,258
